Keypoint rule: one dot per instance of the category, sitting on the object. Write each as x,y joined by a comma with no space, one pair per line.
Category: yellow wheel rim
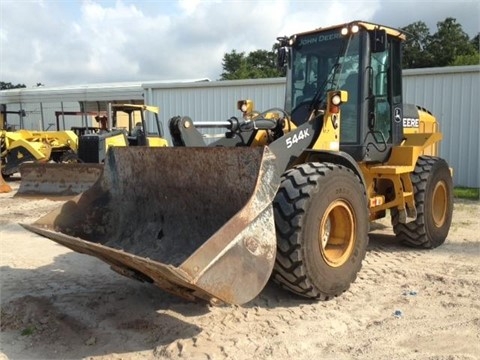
337,233
439,204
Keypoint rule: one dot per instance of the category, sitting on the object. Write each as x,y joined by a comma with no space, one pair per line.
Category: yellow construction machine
288,194
22,146
132,131
86,164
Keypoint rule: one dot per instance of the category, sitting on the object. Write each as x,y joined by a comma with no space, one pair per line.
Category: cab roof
364,24
135,107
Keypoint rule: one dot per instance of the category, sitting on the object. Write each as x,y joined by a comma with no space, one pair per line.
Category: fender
336,157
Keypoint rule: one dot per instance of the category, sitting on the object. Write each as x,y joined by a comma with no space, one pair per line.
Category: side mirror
378,40
282,54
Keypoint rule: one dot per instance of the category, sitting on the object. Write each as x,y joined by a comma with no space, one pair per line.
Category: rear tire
433,190
322,224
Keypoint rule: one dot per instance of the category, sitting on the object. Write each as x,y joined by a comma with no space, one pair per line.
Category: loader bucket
54,180
197,222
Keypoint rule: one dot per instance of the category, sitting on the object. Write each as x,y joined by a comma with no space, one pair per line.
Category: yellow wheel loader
288,194
86,164
23,146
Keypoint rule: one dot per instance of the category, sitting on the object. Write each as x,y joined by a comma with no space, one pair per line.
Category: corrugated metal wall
451,94
41,115
213,101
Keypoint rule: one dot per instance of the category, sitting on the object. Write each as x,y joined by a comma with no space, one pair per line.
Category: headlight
245,106
352,29
336,100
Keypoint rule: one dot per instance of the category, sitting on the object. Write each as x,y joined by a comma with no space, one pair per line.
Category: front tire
322,225
433,191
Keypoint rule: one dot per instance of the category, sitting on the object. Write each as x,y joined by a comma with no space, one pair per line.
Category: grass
466,193
29,330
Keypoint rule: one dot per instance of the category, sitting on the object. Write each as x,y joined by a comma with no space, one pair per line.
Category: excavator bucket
4,187
56,181
197,222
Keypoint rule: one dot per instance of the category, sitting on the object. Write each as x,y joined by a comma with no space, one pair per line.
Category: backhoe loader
287,194
86,164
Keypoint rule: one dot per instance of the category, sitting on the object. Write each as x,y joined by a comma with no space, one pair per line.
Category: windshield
322,61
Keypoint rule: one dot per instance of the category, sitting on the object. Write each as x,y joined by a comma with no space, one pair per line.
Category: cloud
402,13
189,6
61,43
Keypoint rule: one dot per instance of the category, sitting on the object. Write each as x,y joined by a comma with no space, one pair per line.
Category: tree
414,48
449,46
7,86
257,64
470,59
234,66
449,42
262,64
466,60
476,42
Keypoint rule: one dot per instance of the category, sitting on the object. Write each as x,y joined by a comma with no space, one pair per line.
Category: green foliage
466,60
476,41
449,42
7,86
257,64
450,45
466,193
29,330
234,66
414,48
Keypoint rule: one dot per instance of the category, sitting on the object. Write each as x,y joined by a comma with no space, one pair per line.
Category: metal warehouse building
452,94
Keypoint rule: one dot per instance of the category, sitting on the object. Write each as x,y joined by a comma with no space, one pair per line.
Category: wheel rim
337,233
439,204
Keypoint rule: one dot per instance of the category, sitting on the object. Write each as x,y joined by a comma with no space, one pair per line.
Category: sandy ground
406,304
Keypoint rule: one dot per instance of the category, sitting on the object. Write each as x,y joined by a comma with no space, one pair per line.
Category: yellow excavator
287,194
86,164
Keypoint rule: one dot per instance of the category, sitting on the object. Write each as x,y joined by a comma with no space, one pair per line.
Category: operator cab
361,58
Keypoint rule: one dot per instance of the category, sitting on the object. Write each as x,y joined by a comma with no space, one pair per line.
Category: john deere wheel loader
288,193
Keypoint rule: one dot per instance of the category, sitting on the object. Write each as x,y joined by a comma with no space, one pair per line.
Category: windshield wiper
318,99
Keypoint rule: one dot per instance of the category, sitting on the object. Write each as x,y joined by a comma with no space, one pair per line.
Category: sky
75,42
